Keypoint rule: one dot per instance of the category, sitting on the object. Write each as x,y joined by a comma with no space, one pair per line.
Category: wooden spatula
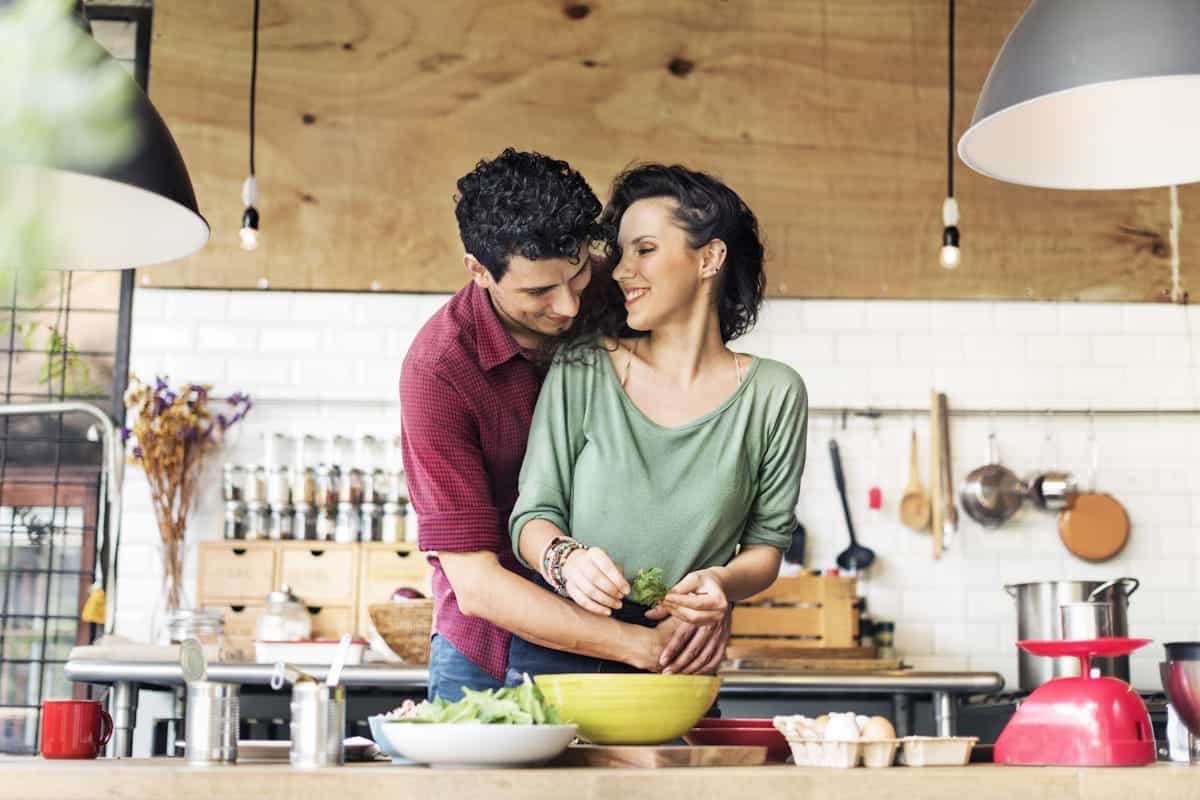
915,507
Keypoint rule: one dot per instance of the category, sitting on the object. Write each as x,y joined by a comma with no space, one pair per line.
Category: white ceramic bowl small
473,745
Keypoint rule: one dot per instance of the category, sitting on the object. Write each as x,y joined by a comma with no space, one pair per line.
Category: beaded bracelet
548,555
558,558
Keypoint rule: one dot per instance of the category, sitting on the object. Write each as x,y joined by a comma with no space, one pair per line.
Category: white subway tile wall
326,363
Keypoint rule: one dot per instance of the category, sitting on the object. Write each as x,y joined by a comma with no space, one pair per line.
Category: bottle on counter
885,639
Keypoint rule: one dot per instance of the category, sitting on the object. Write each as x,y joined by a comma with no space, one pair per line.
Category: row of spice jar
347,522
325,486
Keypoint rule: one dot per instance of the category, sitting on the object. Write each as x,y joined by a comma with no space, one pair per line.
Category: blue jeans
450,672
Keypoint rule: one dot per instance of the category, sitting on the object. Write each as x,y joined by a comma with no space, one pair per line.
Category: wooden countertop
170,778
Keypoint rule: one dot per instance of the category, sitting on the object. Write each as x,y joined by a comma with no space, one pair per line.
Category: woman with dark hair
654,444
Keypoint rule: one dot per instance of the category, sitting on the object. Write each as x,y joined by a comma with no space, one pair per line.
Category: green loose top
680,498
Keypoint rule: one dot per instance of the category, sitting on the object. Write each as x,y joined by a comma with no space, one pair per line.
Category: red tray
1114,646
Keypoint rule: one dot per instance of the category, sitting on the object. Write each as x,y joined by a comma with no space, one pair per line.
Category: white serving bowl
475,745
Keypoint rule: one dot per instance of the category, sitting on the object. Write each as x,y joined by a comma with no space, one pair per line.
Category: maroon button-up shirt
467,392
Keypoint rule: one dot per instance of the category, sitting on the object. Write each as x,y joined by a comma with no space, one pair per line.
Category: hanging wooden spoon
915,507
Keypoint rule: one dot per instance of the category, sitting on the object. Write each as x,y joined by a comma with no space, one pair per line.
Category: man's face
536,299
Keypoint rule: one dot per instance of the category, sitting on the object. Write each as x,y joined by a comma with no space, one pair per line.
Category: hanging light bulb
951,256
249,231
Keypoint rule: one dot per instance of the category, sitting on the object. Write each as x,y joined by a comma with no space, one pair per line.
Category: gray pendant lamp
136,213
1093,94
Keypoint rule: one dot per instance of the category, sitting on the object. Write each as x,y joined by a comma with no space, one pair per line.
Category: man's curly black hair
524,204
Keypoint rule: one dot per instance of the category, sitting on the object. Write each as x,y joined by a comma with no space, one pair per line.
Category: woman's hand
594,581
698,599
691,649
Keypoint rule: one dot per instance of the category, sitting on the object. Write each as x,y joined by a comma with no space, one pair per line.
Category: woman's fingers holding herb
595,575
699,599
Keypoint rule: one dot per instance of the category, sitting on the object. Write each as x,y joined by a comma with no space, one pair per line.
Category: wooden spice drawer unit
320,573
383,568
231,573
806,611
330,622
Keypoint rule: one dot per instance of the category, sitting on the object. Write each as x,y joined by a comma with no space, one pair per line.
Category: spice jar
326,525
391,527
304,486
397,491
375,487
235,519
304,523
256,484
352,487
348,523
233,476
280,525
372,523
258,520
328,480
279,490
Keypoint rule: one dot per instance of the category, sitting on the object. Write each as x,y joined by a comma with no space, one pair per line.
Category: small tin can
211,731
235,519
318,725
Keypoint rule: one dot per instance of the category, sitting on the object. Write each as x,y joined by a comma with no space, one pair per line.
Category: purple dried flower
160,383
124,434
137,452
222,421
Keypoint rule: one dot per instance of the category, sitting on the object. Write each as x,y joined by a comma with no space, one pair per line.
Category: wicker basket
405,626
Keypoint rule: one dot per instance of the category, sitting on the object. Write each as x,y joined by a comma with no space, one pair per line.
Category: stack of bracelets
553,559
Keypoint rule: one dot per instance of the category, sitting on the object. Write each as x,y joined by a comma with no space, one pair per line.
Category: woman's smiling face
659,271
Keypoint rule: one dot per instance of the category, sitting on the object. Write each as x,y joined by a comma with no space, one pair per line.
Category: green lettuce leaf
648,587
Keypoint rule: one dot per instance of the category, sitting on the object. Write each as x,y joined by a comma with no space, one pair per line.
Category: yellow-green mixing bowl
630,709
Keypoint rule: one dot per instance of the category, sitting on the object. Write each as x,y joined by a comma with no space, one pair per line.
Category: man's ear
478,272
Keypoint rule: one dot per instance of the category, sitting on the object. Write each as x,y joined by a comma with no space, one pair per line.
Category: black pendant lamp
136,213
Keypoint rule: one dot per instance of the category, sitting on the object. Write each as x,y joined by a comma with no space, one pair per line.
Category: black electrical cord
949,112
254,81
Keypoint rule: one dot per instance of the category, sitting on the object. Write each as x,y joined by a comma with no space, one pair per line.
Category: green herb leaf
648,587
519,705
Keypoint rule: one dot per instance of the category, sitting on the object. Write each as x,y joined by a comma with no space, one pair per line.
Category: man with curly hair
467,389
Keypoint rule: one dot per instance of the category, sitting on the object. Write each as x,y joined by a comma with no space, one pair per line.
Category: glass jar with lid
284,618
304,486
279,489
233,480
235,519
352,487
280,526
328,482
372,523
391,528
326,524
204,624
256,484
258,520
348,523
304,526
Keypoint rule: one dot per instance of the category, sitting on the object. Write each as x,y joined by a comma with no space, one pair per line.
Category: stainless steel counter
945,688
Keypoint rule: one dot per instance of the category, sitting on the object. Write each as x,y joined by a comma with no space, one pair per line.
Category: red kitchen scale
1079,721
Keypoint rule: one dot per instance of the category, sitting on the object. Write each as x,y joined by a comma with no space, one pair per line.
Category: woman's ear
713,259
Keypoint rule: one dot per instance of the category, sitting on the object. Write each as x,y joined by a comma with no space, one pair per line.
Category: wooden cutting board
657,756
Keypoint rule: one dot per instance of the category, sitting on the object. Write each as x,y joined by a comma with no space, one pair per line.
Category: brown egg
878,728
819,724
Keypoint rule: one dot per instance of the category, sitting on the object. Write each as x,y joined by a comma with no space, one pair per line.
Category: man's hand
691,649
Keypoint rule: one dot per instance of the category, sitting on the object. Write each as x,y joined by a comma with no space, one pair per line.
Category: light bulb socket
950,236
250,218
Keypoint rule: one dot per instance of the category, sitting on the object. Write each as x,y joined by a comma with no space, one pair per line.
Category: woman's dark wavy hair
708,209
524,204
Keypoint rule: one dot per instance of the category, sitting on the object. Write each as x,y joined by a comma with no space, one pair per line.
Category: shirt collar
495,344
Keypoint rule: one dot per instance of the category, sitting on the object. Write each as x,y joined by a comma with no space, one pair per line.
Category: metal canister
304,524
391,527
280,525
258,520
371,529
348,523
235,519
211,731
318,725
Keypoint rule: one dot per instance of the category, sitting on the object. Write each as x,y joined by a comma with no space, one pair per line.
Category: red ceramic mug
74,728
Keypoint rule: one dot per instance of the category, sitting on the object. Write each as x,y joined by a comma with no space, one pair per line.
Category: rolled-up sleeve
444,464
773,514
